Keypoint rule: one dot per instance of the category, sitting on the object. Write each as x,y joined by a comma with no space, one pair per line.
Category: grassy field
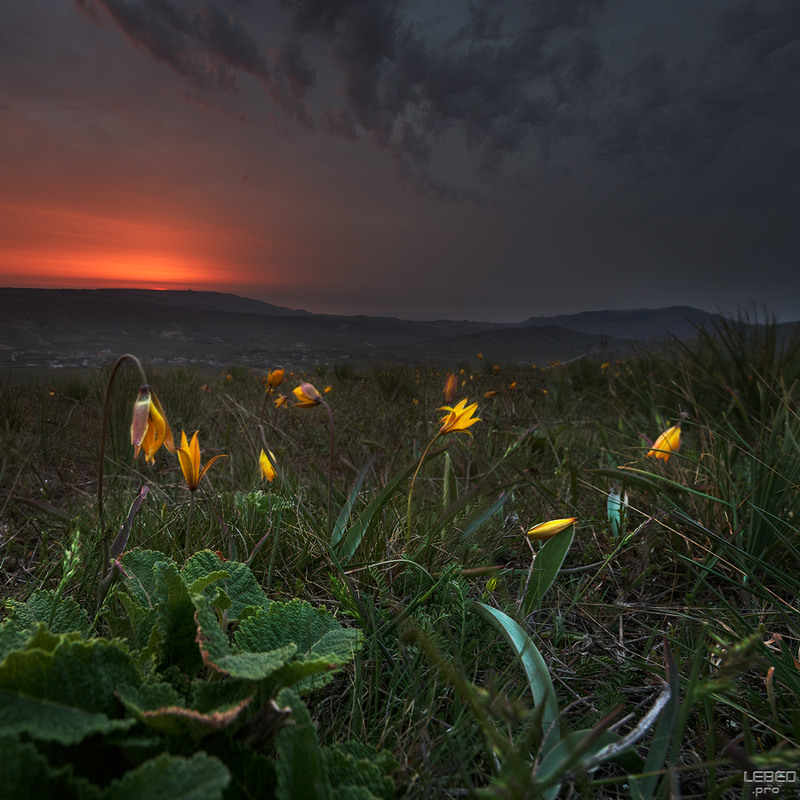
650,649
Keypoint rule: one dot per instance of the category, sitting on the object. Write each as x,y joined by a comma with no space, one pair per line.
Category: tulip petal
141,416
205,468
668,443
267,468
547,530
169,442
187,467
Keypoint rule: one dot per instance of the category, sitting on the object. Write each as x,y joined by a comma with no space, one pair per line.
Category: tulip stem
188,528
264,405
102,454
330,469
411,489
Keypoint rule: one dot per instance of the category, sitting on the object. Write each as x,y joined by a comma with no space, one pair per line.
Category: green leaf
212,639
68,615
11,638
309,673
617,510
255,666
53,722
76,673
24,772
222,602
642,479
241,586
544,695
121,539
300,767
207,696
173,639
167,777
321,642
67,692
129,619
312,630
159,707
347,508
200,584
354,765
569,753
348,542
643,788
217,654
140,581
546,567
481,518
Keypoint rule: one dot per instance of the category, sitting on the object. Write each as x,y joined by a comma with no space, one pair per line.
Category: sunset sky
488,160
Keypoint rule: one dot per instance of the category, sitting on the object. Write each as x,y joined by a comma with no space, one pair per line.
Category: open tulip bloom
668,443
149,428
458,418
189,455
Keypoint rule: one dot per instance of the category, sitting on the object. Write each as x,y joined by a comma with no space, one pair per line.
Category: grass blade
545,568
538,675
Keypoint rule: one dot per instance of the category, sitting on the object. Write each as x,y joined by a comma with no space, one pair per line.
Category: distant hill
207,301
531,344
80,327
639,324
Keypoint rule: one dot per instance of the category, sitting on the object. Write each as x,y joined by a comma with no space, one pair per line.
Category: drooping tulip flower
149,427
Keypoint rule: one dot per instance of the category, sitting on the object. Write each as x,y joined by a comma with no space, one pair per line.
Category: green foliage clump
175,705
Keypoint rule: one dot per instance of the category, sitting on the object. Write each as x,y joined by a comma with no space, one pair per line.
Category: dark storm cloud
726,121
492,74
492,79
515,88
207,46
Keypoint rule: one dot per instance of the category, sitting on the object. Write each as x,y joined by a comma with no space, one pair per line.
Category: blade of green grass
538,675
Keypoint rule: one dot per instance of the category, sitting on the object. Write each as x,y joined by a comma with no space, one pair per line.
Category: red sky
493,164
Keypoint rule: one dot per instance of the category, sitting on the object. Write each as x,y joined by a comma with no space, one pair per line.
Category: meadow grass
705,571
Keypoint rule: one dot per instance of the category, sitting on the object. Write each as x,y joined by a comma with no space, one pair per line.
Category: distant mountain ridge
209,301
86,327
640,324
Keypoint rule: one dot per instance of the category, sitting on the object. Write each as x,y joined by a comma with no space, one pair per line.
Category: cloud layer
587,148
511,91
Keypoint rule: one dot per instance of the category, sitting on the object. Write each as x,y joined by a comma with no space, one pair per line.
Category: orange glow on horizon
52,247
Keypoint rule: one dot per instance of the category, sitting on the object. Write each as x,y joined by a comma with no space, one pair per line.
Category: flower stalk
307,396
101,459
458,419
189,457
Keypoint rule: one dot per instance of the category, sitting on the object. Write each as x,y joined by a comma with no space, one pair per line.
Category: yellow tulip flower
149,427
266,463
668,443
275,378
547,530
458,418
450,387
189,456
306,396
